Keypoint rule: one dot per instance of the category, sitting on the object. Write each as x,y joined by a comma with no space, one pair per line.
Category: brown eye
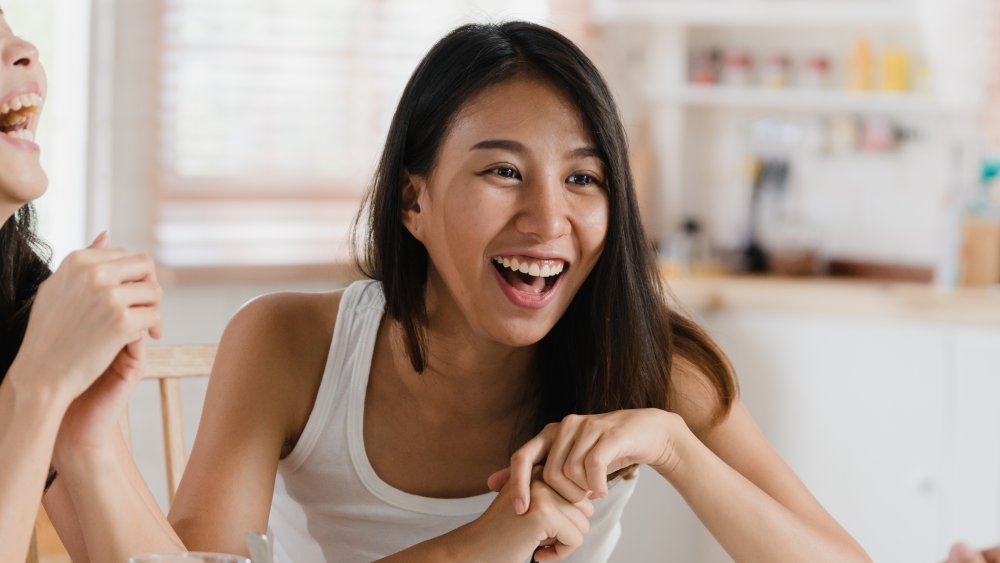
582,179
506,172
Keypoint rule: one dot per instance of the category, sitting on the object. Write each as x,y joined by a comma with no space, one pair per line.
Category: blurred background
818,175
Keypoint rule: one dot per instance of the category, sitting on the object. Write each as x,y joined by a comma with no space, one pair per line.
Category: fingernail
519,506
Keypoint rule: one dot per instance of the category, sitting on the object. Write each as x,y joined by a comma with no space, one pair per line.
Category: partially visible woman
71,345
961,553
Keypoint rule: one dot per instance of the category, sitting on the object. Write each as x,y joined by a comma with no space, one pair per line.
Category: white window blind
272,114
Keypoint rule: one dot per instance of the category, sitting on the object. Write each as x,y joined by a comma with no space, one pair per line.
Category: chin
22,185
522,334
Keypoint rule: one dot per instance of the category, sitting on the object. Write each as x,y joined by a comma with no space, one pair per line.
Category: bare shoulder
695,398
293,321
276,346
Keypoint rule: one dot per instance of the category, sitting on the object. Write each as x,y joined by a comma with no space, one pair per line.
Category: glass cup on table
187,557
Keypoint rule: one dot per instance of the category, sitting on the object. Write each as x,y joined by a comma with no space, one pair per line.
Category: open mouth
535,277
16,115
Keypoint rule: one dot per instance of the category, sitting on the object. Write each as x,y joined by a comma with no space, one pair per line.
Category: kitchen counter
835,296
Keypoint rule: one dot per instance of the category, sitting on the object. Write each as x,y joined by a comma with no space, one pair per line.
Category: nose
18,52
545,210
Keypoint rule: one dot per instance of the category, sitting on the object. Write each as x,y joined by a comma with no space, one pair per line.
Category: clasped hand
84,340
570,461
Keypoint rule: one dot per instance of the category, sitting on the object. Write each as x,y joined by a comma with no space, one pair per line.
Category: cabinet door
974,491
857,408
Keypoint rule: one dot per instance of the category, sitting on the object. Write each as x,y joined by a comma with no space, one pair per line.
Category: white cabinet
893,425
974,496
858,411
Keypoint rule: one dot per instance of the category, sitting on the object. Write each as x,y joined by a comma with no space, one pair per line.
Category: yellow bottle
895,71
859,66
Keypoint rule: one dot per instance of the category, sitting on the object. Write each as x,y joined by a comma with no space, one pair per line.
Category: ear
413,192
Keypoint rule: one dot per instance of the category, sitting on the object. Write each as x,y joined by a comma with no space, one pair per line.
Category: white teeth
18,103
545,269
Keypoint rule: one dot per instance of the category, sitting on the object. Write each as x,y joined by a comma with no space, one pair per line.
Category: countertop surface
838,296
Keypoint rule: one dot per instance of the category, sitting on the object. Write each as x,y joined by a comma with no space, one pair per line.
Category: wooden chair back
168,365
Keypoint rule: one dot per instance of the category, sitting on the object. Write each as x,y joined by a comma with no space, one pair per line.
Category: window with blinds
272,114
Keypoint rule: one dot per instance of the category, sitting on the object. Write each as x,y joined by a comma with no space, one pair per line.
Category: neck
7,212
465,374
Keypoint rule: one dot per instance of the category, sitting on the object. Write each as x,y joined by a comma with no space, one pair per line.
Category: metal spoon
260,548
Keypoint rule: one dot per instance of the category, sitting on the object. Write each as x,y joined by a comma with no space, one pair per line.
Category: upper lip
29,88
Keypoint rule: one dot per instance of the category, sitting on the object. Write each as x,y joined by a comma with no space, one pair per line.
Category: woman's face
22,89
514,213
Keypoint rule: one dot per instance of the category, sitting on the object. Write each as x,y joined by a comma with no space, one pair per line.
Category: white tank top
330,505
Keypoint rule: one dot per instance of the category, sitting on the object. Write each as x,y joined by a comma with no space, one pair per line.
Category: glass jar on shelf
737,69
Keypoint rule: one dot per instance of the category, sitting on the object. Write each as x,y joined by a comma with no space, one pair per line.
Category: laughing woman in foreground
514,335
71,347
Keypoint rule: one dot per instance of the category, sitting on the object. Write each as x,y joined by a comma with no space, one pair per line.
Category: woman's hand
99,301
550,530
581,451
90,425
961,553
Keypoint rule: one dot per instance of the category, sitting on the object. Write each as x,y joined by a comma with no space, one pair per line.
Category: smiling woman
71,346
511,354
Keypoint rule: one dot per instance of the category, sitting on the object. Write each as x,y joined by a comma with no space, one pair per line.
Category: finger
95,255
141,318
961,553
156,331
598,464
568,539
574,468
992,555
124,369
521,464
146,294
131,268
136,350
554,462
579,514
585,506
497,481
101,241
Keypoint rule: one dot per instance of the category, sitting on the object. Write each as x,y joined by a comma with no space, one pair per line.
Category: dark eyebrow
586,152
516,147
503,144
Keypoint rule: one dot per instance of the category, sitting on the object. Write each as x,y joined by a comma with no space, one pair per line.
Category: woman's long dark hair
617,344
23,267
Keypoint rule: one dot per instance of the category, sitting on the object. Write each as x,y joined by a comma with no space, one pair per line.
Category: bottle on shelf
688,250
860,75
979,256
895,70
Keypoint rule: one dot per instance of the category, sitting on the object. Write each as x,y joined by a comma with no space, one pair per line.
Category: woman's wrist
681,443
86,461
35,383
32,388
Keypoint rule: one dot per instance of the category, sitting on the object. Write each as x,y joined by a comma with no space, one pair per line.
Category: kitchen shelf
806,100
756,13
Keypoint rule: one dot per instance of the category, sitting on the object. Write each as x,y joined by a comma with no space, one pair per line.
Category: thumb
101,241
961,553
497,481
